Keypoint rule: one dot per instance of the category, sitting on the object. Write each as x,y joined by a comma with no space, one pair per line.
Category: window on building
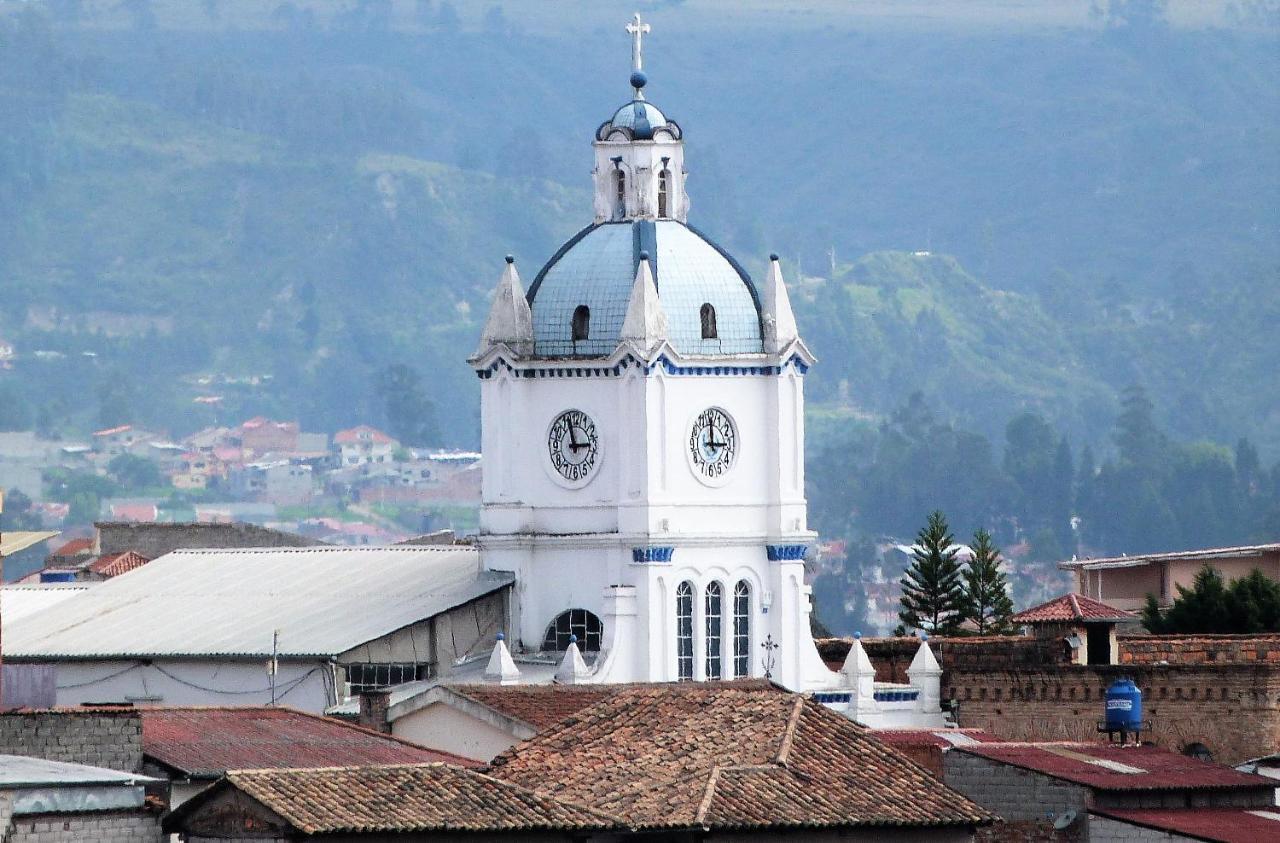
684,631
714,619
581,322
620,197
742,628
368,676
664,180
708,315
577,622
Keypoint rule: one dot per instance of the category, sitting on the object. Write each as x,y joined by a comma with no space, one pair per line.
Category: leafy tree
411,417
1141,443
135,473
17,514
932,591
1254,601
84,508
1202,608
15,412
986,588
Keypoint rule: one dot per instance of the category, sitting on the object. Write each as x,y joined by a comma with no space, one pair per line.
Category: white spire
502,668
510,320
572,668
646,322
858,672
779,321
924,663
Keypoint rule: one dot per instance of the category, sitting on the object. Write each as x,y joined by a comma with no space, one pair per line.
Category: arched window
742,628
684,631
708,316
577,622
620,194
714,634
664,181
581,322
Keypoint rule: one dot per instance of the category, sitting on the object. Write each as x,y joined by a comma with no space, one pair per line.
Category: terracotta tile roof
1227,825
115,564
206,742
1072,607
75,547
1109,767
539,706
362,433
699,756
112,430
391,799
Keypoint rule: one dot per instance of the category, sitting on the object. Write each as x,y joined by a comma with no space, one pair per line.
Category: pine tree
986,588
932,591
1203,608
1254,603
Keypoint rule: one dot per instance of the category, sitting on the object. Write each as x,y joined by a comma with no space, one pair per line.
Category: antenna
274,664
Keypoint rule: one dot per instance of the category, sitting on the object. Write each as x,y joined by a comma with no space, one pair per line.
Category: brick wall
892,656
107,827
154,540
1234,710
111,739
1200,649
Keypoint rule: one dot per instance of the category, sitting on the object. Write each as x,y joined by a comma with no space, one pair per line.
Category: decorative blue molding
896,696
664,363
785,552
829,698
652,554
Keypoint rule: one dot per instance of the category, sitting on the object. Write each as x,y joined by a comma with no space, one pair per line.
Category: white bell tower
642,421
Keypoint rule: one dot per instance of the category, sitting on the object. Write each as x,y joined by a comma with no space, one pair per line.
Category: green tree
1142,445
135,473
411,417
1254,602
986,588
1203,608
932,591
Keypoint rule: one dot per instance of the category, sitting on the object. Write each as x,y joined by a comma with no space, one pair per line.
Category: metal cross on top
637,31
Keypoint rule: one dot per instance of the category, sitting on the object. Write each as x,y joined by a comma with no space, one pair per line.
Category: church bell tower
642,423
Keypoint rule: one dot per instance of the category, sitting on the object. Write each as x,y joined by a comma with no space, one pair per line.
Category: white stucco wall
445,727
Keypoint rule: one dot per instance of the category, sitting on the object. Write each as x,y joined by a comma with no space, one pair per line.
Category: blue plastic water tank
1124,706
57,576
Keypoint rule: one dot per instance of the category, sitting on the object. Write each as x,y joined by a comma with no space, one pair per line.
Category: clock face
713,444
573,446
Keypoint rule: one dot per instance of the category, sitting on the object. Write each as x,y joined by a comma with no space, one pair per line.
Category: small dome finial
773,256
573,639
638,79
644,256
511,258
502,636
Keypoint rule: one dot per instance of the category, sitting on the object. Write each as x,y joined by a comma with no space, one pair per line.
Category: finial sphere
501,636
573,639
511,258
858,634
644,256
638,79
773,256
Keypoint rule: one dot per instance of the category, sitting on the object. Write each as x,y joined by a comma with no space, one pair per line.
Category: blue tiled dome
638,120
597,268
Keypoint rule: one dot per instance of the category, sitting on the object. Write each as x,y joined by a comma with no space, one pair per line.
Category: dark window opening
577,622
581,322
620,185
1098,644
1197,750
369,676
664,179
708,316
714,626
742,628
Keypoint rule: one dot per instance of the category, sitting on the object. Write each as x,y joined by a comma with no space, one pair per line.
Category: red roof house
1071,608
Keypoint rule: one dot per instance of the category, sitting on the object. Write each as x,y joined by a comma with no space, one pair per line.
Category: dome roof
597,268
638,120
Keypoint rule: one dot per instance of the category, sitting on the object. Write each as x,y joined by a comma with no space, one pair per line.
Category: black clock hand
574,444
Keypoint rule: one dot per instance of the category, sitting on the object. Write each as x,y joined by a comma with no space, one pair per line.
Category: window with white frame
714,637
684,631
742,628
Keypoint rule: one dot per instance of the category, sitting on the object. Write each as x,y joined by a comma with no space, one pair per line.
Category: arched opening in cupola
664,189
581,324
708,318
620,194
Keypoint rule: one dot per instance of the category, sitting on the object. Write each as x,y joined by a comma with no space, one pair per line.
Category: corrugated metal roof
11,541
18,601
323,600
1225,825
24,771
1174,556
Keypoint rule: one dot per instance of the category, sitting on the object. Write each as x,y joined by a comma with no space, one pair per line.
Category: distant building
114,441
1086,628
1125,581
364,445
260,435
43,798
280,482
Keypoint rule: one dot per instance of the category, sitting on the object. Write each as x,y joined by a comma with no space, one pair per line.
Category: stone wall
106,827
154,540
100,738
1200,649
1234,710
892,656
1012,792
1107,830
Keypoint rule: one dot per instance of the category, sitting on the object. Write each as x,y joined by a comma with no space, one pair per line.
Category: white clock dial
573,446
713,444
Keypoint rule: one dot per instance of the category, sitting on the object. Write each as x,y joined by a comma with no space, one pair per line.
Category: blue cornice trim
785,552
665,363
644,555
